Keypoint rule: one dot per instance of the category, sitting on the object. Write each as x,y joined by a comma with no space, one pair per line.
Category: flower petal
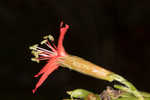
49,68
60,47
52,62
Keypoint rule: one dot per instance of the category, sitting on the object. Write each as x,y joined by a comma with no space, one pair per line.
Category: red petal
45,75
45,68
63,31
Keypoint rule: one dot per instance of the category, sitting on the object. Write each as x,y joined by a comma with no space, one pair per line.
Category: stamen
36,54
42,49
35,59
34,47
48,45
50,37
44,55
43,58
43,42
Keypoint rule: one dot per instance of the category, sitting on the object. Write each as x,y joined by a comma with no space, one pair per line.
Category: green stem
130,87
131,98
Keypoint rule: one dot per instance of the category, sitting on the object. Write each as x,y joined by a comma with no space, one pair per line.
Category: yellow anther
36,60
34,47
43,42
35,53
50,37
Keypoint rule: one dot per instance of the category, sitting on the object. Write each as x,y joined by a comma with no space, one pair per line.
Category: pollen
43,42
33,47
36,60
50,37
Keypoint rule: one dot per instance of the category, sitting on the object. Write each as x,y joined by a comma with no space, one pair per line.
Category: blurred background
110,33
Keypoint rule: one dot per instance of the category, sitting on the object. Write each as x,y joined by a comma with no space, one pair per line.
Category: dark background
111,33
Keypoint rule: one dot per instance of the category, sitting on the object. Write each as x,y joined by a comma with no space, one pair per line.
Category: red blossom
52,56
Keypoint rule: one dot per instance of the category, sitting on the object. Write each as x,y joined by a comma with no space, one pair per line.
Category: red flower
52,56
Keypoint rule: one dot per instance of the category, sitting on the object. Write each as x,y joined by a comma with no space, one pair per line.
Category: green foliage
109,94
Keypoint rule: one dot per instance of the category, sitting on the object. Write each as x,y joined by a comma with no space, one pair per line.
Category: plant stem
130,87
